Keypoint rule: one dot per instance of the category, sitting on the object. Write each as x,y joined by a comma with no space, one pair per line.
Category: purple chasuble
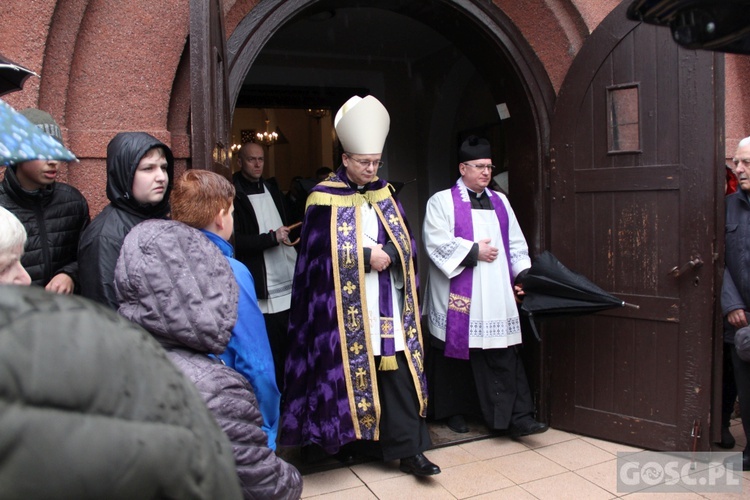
459,297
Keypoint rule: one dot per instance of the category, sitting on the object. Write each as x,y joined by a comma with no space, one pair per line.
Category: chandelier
267,138
316,113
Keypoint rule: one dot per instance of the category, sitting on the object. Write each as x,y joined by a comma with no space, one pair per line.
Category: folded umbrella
21,140
12,75
552,290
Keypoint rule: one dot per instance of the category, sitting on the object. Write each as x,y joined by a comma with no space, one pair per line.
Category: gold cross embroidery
393,219
404,240
349,287
352,312
368,421
348,247
361,374
364,404
386,327
407,306
345,229
411,331
418,359
356,348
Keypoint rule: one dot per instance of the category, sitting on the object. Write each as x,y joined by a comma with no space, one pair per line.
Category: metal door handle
694,263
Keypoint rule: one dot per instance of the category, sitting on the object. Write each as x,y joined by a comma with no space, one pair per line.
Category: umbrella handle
293,226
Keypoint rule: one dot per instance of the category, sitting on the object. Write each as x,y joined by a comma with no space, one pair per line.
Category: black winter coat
91,408
54,218
249,244
101,242
735,289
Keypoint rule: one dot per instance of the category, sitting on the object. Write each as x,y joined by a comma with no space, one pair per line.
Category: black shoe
457,423
727,440
419,466
526,428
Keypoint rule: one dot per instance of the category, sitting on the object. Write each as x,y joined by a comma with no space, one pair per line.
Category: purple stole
459,298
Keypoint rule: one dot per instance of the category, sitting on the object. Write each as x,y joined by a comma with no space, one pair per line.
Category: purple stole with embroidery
459,298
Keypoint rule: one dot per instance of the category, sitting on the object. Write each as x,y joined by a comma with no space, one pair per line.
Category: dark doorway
440,67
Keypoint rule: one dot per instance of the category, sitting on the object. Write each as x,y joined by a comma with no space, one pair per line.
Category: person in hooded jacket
54,214
139,173
174,282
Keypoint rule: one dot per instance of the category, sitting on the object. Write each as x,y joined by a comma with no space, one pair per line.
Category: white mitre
362,125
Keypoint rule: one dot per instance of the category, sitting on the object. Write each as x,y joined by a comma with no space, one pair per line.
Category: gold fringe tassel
388,363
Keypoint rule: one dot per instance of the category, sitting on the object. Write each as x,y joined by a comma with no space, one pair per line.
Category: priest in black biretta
478,255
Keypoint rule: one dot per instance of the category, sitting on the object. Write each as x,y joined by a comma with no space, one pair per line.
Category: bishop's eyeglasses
365,163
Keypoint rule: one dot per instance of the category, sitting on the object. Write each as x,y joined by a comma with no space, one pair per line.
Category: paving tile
468,480
376,471
567,486
552,436
575,454
360,493
525,466
409,487
611,447
649,494
493,447
603,475
329,482
512,493
450,456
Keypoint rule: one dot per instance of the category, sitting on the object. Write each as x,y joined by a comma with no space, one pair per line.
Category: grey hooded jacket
173,281
90,408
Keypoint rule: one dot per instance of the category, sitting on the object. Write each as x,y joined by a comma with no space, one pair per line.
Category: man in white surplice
478,257
260,229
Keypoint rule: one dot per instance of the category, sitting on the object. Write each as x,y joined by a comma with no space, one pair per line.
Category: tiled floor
553,465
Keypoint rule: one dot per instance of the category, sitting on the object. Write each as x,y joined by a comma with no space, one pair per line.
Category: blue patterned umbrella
21,140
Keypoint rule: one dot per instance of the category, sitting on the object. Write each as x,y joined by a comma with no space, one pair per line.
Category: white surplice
494,321
370,225
279,260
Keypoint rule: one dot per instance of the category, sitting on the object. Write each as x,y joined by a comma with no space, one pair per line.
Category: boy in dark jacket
139,174
53,213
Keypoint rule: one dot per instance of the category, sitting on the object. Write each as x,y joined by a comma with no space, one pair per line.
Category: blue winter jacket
249,351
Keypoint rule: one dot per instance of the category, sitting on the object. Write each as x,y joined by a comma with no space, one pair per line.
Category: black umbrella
12,76
552,290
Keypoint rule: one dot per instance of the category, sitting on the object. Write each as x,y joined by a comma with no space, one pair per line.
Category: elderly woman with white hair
12,240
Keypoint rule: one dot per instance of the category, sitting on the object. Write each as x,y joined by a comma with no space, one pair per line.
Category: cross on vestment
348,247
345,229
360,374
352,313
418,359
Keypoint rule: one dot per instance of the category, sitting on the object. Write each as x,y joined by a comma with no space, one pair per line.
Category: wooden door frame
608,34
208,98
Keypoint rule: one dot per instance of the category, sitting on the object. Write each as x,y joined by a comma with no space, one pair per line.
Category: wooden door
635,145
209,105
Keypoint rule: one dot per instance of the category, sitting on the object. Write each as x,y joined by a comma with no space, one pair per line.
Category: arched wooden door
210,121
635,145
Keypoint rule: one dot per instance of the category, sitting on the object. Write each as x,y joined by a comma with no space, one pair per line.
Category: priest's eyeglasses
481,168
366,164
